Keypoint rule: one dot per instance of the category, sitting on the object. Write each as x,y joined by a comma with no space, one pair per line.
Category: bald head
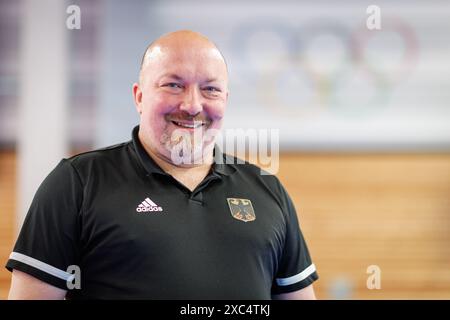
179,41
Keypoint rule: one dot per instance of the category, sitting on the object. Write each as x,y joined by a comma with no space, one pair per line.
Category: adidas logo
148,205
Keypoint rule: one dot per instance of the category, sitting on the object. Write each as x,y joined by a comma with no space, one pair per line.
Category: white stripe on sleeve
298,277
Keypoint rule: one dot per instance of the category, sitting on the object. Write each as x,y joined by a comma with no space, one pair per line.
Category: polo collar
222,167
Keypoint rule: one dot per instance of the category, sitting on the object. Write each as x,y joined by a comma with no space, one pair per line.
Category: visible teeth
187,125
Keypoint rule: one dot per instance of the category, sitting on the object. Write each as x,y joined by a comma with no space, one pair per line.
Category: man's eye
211,89
173,85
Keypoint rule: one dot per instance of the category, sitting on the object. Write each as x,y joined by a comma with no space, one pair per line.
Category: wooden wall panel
7,208
355,210
387,210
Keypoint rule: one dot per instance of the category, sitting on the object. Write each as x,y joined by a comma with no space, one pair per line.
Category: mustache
184,116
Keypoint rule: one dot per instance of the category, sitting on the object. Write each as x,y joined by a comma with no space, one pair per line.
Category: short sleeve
48,241
296,270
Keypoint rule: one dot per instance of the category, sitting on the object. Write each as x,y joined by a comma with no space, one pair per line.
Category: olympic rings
408,58
332,79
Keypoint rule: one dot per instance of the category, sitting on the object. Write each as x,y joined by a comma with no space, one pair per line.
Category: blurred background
363,117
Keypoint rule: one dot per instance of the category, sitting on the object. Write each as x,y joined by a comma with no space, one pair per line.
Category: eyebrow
178,78
171,75
211,80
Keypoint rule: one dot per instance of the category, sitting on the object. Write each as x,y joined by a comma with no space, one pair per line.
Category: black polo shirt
137,233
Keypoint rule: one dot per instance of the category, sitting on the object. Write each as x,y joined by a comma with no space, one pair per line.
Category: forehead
185,62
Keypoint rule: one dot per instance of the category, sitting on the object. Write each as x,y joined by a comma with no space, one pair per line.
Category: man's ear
137,96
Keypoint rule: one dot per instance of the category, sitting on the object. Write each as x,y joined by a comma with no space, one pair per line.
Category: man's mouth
188,124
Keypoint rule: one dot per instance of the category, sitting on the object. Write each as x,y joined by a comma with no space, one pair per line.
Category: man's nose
192,101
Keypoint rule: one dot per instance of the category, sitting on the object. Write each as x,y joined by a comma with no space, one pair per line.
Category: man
141,224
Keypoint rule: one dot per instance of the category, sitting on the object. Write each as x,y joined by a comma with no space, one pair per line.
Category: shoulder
102,154
114,153
92,162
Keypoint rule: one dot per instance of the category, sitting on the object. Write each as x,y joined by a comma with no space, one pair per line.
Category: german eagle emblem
241,209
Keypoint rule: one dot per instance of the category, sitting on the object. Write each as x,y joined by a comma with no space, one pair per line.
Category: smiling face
182,93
